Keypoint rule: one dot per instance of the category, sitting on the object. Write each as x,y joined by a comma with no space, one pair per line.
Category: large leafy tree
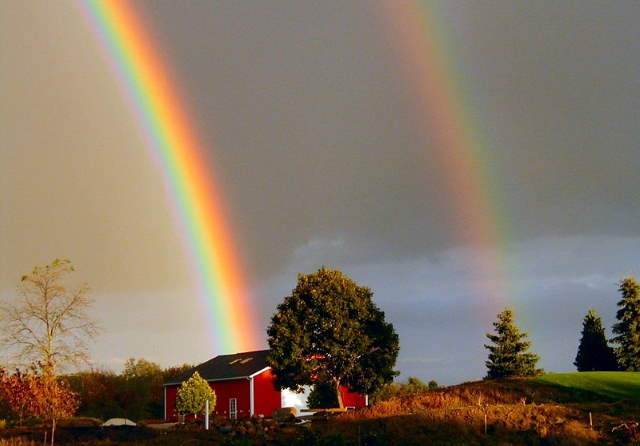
49,321
193,395
627,328
508,355
594,353
329,331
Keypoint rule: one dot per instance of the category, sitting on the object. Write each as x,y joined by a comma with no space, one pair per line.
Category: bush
79,422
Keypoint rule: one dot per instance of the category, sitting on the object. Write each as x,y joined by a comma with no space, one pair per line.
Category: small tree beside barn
329,331
193,395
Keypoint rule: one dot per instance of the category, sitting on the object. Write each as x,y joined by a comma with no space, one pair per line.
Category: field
608,385
555,409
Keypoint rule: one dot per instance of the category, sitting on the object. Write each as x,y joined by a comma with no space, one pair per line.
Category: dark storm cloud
314,133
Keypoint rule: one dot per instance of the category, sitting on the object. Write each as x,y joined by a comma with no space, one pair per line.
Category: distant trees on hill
627,328
508,354
136,393
412,386
594,353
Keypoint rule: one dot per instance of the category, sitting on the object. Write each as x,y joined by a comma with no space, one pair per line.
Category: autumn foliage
38,393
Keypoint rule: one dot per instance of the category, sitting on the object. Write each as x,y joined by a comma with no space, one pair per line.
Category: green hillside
608,385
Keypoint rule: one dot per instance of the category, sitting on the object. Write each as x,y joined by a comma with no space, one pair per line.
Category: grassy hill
552,409
610,386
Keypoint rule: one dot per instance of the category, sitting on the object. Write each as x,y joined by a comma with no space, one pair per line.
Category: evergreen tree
628,327
330,331
508,355
594,354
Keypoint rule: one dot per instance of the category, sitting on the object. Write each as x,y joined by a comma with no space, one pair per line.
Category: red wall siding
267,398
170,401
352,399
237,388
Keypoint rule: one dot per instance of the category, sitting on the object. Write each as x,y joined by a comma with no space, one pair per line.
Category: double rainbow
164,118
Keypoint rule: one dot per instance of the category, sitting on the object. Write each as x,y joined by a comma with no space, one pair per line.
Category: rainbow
173,140
428,64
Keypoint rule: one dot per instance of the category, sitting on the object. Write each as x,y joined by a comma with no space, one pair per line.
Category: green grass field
608,385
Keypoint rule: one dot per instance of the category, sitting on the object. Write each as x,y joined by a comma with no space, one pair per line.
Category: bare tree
48,323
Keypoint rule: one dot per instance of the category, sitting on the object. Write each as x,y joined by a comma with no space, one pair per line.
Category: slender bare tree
48,322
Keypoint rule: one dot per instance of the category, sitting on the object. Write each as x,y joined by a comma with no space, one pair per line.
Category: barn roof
225,367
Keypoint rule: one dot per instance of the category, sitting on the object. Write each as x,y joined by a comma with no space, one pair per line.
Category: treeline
136,393
622,352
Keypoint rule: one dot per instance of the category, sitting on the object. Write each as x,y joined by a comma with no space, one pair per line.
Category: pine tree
508,355
593,352
628,327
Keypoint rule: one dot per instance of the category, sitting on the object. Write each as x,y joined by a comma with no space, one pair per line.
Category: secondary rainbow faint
171,135
428,65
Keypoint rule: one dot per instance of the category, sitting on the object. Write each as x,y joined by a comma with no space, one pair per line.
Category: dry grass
475,413
16,441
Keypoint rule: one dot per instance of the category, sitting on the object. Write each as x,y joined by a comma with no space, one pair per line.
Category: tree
193,394
17,390
628,326
142,389
330,331
508,355
49,321
594,353
53,398
323,396
40,394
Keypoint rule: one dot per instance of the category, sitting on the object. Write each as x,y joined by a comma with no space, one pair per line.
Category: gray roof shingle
238,365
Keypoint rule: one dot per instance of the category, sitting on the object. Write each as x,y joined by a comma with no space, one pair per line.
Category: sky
324,158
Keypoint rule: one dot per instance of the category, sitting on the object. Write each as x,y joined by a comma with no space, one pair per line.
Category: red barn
244,387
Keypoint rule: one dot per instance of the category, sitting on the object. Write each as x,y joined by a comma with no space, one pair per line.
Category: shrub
79,422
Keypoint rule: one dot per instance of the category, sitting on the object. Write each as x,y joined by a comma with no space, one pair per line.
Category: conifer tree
594,354
508,355
628,327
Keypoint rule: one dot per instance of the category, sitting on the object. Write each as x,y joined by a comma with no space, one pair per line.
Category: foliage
136,393
628,326
413,386
40,394
142,384
193,394
49,321
594,353
17,391
53,399
323,396
508,355
330,331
